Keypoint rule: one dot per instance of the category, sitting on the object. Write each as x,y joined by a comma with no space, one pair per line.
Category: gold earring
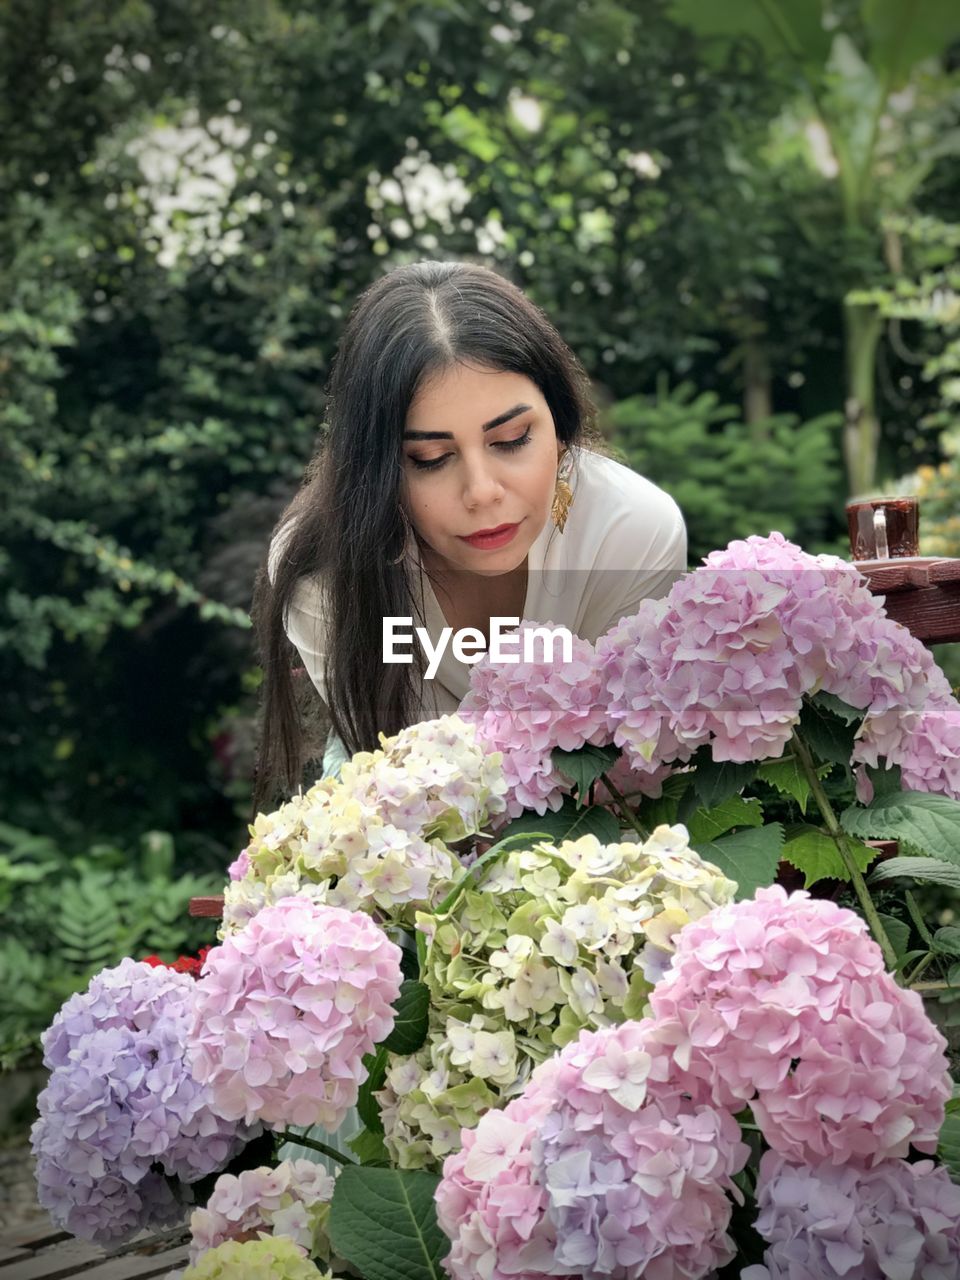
562,493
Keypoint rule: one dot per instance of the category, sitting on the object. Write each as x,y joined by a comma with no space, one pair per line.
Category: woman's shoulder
613,498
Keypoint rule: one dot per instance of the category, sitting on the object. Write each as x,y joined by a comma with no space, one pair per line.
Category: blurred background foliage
741,216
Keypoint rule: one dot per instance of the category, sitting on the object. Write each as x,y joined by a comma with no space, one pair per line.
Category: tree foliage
194,197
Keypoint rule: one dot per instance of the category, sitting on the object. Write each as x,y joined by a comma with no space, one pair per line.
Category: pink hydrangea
710,664
286,1009
782,1002
488,1203
728,656
525,709
611,1164
897,1221
927,749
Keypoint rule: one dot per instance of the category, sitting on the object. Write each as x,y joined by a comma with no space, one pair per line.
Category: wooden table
49,1254
922,593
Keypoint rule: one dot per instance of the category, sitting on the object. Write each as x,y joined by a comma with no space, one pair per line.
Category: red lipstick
492,539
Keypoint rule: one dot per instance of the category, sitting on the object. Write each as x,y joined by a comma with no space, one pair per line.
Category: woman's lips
491,539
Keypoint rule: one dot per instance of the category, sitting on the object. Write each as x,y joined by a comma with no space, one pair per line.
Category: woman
460,480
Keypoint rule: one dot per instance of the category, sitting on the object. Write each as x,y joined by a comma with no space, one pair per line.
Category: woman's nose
481,486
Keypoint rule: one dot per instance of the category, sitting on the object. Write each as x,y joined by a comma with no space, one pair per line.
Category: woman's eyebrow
498,421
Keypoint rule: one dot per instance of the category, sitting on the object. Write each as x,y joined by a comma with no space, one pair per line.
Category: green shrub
65,918
731,478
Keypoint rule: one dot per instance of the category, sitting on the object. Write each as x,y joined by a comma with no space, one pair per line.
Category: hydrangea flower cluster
376,838
489,1204
525,709
464,1068
553,939
290,1200
274,1258
727,657
783,1003
123,1103
287,1008
927,750
894,1222
606,1167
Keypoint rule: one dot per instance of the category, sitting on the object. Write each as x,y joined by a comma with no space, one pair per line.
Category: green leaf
904,32
653,812
367,1106
749,857
885,782
898,931
736,811
569,823
369,1148
915,868
814,853
842,710
927,822
384,1223
584,767
948,1144
715,781
788,777
410,1029
947,940
829,735
785,29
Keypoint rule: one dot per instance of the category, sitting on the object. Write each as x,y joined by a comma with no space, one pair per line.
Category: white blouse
624,541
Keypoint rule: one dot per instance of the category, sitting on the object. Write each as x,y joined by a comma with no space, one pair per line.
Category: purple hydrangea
897,1221
122,1102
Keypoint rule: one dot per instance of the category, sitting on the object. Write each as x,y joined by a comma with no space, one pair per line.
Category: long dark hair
345,528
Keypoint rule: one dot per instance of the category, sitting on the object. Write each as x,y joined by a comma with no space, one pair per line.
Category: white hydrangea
377,838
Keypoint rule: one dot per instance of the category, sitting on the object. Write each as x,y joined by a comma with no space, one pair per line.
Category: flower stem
921,964
840,840
299,1140
624,808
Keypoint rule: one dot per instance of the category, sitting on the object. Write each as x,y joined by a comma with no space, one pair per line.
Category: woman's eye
429,464
517,443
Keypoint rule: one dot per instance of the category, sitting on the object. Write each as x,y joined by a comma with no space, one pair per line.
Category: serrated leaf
814,853
749,857
947,940
369,1148
898,931
410,1028
652,811
584,766
788,777
368,1108
716,780
842,710
569,823
924,821
736,811
948,1144
932,870
828,735
384,1223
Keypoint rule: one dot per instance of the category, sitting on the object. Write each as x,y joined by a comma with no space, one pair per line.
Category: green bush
732,478
66,918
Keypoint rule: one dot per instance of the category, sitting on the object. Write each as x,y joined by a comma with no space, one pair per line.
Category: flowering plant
542,945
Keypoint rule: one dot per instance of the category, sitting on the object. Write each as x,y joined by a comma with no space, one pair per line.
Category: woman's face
480,454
